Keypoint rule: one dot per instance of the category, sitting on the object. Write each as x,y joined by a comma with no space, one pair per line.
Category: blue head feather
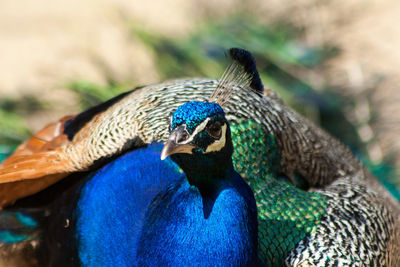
193,113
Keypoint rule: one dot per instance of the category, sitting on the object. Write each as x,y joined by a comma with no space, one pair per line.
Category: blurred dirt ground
45,44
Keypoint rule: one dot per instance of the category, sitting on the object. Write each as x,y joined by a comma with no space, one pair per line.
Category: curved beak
175,143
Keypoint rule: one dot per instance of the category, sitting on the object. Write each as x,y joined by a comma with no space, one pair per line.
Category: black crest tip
247,61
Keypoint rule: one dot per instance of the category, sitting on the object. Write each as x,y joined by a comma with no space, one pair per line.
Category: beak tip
164,155
171,148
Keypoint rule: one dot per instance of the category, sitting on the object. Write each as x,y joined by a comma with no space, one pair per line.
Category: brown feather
35,164
10,192
32,166
46,139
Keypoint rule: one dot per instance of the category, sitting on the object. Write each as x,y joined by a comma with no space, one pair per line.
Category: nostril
182,137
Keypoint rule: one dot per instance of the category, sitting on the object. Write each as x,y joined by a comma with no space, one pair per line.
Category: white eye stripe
220,143
217,145
198,129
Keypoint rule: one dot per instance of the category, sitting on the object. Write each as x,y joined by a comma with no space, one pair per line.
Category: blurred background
337,62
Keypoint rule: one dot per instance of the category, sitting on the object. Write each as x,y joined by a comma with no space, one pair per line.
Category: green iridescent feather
286,213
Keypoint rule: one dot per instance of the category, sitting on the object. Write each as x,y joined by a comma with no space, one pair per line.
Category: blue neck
207,170
139,210
184,227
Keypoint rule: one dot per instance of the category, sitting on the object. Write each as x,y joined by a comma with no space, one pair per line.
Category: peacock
317,205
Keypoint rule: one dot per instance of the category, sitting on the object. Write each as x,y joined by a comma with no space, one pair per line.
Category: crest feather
241,72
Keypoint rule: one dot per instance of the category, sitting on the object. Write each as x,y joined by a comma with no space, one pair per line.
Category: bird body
317,205
138,210
206,217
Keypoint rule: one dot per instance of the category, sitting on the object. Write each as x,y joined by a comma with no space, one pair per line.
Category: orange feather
35,164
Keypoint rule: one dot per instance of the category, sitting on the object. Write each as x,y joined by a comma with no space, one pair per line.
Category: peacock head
198,128
200,139
200,142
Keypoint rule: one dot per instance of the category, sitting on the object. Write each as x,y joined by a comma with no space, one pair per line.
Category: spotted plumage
317,205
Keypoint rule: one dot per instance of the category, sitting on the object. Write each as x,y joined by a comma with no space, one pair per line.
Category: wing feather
36,164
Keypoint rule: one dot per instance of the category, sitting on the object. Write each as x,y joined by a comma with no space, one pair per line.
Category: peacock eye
214,129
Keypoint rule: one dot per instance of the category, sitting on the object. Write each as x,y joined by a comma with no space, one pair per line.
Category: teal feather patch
11,238
26,220
16,227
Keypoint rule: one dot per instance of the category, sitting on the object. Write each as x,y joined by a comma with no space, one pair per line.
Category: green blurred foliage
91,94
202,52
13,127
386,173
